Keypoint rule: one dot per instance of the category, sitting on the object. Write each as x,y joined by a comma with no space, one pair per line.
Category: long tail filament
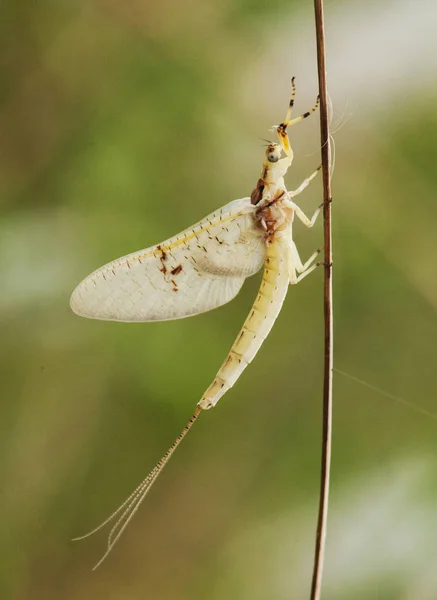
134,501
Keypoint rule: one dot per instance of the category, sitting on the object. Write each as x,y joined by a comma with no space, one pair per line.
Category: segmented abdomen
257,326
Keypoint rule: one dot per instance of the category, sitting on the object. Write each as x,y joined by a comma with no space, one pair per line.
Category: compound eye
272,157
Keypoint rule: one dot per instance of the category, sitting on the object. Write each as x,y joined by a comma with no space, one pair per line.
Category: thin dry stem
327,303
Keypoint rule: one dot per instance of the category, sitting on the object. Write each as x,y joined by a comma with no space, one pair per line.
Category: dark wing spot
163,252
176,270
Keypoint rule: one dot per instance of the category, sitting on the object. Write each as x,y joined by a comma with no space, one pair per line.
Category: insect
202,268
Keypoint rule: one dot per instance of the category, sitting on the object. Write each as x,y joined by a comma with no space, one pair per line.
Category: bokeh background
124,122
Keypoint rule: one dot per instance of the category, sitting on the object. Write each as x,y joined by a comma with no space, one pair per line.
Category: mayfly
202,268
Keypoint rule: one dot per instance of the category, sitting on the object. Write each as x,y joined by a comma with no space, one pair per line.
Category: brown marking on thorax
269,215
257,193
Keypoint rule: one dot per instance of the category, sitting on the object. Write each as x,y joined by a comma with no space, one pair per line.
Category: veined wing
197,270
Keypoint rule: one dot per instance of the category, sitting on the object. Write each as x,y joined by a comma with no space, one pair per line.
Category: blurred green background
121,124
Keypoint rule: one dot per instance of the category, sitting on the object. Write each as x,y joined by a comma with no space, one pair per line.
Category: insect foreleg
291,104
289,122
304,116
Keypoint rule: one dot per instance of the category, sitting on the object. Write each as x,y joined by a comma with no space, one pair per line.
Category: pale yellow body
203,268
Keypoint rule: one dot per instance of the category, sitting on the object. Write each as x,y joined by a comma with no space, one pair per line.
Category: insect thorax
274,213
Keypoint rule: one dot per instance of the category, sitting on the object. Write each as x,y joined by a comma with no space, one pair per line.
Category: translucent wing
201,268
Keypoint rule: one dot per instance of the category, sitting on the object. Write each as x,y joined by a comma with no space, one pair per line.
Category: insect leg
282,128
300,268
292,275
290,106
305,183
295,265
304,115
307,272
289,122
302,216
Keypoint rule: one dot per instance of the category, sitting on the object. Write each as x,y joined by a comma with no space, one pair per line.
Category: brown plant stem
319,554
